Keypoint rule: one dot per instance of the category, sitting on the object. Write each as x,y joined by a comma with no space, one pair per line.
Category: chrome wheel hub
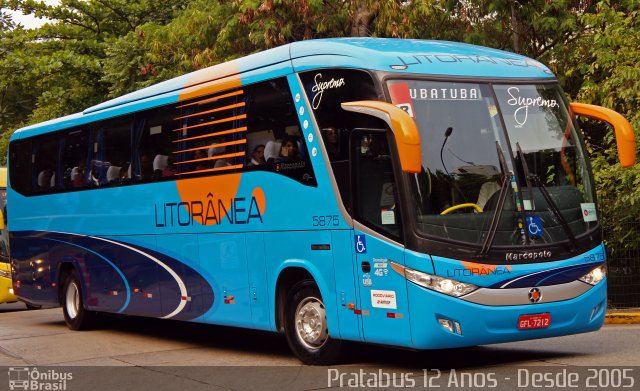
311,323
72,301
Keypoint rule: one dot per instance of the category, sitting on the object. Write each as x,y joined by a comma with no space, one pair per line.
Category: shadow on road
260,342
12,307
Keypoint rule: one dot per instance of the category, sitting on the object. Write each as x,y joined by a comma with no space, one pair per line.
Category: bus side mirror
625,139
2,226
401,124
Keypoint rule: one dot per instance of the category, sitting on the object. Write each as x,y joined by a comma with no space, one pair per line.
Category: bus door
383,293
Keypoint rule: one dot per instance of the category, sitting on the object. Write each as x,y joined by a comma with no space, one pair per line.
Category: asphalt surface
126,352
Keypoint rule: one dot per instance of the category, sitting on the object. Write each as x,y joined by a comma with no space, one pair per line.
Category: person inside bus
77,174
332,141
170,169
257,156
487,190
146,167
223,162
124,172
288,150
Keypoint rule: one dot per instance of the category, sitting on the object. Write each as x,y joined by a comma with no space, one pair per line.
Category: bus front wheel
75,315
306,326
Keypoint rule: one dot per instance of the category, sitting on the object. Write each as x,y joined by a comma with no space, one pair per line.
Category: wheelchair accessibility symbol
534,225
361,244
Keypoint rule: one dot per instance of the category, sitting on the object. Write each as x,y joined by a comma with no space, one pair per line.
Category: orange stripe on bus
236,142
237,117
212,99
213,169
211,87
235,154
230,131
229,107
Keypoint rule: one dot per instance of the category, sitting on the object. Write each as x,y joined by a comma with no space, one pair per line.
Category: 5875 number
326,221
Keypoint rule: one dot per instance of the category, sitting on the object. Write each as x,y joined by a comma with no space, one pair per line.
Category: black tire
309,340
75,315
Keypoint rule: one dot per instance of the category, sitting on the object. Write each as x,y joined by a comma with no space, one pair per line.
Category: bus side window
74,158
335,124
272,122
44,158
153,148
21,166
374,183
208,135
113,141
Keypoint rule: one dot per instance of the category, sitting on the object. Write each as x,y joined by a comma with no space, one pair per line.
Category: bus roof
437,58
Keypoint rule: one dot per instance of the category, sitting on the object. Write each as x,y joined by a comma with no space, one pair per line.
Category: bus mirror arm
403,127
625,139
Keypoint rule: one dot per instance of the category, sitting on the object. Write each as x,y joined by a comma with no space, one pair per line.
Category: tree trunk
362,20
515,25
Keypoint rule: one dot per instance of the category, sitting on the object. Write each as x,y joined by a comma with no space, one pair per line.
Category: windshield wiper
525,168
533,179
495,219
523,211
554,208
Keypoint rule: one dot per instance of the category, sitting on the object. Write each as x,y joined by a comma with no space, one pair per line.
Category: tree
56,69
609,65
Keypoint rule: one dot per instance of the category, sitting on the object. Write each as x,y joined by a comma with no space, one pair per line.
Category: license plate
537,321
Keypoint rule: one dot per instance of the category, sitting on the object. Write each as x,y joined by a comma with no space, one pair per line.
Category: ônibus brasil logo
33,379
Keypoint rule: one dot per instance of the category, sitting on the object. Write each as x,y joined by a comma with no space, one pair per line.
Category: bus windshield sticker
322,85
520,115
534,225
400,97
361,244
388,216
450,93
589,212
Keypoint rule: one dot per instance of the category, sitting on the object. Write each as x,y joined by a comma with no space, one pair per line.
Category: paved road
202,356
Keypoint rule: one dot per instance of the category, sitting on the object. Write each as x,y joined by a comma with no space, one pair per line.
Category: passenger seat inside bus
272,150
44,179
159,164
113,174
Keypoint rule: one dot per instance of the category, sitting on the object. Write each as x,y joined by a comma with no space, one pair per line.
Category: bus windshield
480,139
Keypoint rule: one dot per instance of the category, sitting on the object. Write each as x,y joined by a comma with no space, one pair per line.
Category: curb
622,317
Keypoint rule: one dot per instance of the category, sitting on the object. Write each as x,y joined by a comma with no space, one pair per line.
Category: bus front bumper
441,321
6,291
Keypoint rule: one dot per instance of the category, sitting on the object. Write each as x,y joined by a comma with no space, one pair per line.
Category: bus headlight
595,276
5,274
447,286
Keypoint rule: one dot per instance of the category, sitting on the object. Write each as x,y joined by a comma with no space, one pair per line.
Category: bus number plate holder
536,321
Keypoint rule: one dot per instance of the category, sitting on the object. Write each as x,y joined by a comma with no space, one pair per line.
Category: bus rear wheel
75,315
306,326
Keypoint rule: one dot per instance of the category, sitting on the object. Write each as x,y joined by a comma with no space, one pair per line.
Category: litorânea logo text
31,379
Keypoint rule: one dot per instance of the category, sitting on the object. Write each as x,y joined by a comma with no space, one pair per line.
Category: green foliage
57,69
611,75
203,34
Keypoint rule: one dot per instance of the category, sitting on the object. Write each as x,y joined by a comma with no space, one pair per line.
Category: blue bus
418,194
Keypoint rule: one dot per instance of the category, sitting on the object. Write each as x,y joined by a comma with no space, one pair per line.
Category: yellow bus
6,288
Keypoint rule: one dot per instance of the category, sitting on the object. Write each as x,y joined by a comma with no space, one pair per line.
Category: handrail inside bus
403,127
625,139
